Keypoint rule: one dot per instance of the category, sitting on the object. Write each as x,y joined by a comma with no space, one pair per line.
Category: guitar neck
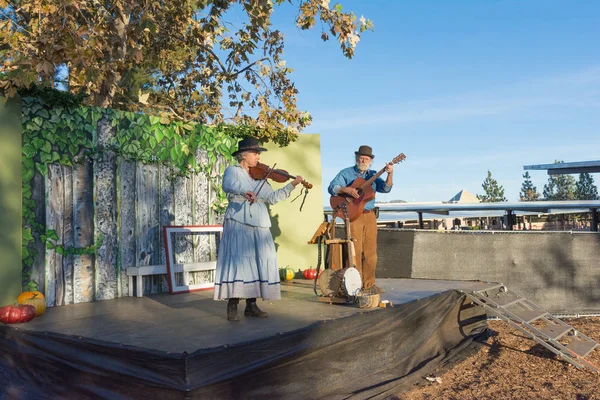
372,179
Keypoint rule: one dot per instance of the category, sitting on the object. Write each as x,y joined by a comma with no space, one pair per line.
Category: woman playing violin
247,264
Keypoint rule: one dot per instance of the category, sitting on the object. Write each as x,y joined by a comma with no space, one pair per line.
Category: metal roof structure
511,208
567,168
545,207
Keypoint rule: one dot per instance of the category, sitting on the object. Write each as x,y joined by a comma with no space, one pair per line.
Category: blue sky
461,87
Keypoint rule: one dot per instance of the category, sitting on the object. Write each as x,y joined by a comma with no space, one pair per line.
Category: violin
277,175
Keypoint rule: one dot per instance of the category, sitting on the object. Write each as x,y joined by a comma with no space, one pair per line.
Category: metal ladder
552,333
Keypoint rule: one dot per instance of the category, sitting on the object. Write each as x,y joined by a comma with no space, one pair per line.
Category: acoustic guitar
365,190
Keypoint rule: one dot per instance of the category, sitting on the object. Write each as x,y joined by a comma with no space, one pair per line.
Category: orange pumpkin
29,295
35,299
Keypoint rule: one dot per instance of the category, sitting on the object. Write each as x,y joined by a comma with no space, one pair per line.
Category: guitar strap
368,175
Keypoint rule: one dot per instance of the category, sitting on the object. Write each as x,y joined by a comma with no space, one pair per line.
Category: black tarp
369,355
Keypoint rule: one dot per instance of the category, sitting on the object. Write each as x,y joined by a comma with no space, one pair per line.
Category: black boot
252,309
232,314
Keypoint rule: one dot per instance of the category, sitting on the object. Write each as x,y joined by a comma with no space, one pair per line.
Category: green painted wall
292,228
10,201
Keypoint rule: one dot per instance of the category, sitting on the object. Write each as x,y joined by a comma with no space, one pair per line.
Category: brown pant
364,232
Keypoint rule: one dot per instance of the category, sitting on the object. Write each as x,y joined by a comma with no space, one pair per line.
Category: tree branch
224,69
212,53
246,68
168,108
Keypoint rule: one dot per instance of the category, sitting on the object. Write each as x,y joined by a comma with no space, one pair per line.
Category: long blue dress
247,262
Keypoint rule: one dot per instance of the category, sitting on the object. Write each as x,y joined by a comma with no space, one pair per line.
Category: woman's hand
250,196
296,181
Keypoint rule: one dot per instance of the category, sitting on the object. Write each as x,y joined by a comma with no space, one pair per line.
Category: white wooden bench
140,272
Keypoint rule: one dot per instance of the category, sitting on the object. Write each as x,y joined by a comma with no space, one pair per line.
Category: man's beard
362,167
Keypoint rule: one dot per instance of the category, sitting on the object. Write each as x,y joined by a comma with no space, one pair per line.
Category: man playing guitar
363,225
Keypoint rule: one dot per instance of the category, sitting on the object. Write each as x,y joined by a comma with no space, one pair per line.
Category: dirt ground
510,366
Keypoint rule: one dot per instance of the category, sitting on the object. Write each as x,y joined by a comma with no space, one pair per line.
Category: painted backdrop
116,208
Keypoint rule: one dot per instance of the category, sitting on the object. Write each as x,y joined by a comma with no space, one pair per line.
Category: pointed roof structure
464,197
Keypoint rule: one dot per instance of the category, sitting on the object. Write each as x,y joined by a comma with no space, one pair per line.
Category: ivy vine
65,134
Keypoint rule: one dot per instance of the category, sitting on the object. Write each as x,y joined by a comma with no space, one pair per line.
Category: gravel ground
510,366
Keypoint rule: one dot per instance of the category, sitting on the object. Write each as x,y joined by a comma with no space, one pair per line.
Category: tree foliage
178,58
492,191
559,187
585,189
528,190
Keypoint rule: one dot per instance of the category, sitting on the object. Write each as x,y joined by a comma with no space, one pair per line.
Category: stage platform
182,346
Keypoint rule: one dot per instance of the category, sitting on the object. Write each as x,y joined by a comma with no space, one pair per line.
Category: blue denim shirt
348,175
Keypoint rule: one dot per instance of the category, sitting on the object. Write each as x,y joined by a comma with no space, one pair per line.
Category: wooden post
54,221
127,222
105,169
83,229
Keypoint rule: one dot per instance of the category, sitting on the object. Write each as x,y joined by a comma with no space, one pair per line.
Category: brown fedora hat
248,144
365,151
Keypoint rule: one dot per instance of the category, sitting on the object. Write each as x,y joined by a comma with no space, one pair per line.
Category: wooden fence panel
126,204
67,235
105,169
201,207
183,244
83,223
146,221
54,221
130,214
127,233
166,217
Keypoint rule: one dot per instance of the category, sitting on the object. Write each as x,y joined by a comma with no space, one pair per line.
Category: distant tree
528,191
560,187
492,191
585,189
